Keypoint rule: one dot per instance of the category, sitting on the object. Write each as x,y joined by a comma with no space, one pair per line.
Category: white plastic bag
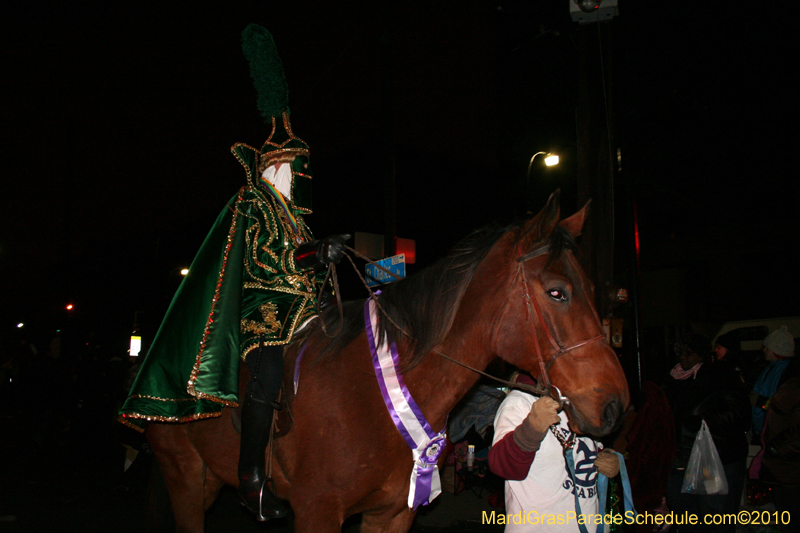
704,473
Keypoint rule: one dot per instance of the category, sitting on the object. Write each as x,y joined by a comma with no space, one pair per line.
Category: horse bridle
531,304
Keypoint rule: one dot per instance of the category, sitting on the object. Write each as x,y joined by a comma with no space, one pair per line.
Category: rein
530,303
537,389
531,307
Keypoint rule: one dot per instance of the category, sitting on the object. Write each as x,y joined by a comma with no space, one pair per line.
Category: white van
752,332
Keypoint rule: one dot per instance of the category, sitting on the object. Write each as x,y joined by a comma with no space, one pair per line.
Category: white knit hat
780,342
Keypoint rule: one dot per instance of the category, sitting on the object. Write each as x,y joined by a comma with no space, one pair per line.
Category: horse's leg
184,474
211,487
320,514
388,521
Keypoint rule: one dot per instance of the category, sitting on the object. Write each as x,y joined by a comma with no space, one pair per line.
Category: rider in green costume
252,285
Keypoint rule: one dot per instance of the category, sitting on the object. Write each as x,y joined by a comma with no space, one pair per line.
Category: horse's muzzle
613,414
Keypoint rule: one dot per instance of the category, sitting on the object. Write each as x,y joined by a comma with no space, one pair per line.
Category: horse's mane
424,305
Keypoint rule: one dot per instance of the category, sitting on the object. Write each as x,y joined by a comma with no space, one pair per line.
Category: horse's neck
438,384
441,383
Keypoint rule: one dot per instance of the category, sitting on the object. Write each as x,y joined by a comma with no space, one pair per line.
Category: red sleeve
508,460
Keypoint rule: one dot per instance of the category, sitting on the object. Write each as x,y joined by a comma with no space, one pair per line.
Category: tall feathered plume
266,70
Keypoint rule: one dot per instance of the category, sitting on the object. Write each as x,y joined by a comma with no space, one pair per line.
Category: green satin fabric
243,283
160,391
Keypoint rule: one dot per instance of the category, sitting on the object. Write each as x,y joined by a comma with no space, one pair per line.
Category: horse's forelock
560,241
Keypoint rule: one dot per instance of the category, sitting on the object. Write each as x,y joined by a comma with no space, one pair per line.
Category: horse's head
549,327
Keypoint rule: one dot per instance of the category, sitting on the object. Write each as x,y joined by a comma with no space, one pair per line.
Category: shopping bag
704,473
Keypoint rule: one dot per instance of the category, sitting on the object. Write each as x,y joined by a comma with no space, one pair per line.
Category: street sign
395,264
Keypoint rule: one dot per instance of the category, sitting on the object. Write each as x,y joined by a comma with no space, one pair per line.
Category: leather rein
531,306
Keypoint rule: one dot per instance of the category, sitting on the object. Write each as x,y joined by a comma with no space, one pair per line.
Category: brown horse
517,293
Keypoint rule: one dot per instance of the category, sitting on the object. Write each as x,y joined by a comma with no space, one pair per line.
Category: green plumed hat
282,145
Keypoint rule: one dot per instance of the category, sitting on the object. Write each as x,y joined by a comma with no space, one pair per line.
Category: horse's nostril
613,413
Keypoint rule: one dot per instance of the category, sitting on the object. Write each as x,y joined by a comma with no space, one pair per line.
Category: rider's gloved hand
320,252
331,249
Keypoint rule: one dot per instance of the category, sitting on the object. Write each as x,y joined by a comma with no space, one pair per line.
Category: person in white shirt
539,492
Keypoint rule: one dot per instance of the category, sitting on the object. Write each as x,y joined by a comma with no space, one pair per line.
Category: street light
549,160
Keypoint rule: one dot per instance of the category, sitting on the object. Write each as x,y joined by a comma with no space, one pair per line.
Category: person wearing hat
778,351
252,286
699,389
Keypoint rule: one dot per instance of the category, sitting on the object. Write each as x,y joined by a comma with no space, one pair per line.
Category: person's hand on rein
316,254
607,463
544,413
331,249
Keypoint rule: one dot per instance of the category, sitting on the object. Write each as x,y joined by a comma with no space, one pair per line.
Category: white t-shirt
544,500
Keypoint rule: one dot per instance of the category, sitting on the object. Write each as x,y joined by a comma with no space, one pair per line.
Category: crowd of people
711,387
55,390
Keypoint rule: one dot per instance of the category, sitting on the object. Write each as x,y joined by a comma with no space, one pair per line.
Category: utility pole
599,173
595,133
389,154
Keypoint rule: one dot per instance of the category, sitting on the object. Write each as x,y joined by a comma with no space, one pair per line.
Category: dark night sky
117,123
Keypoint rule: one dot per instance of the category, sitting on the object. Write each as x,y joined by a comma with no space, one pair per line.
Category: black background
117,119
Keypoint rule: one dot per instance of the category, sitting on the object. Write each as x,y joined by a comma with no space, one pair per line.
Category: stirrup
274,508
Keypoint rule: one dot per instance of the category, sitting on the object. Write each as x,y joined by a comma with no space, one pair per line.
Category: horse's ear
548,217
543,224
574,224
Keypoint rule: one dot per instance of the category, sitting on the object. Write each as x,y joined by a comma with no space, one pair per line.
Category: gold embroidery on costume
296,281
270,324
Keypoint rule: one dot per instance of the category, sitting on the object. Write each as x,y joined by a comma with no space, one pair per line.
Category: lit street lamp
549,160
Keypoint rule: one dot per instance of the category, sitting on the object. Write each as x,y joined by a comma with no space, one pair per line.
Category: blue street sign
395,264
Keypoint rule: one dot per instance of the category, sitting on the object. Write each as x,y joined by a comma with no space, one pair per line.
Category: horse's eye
559,295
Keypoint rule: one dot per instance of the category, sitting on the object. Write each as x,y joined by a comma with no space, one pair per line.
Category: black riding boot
254,487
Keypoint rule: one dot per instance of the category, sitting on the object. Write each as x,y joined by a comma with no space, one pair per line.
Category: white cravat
280,176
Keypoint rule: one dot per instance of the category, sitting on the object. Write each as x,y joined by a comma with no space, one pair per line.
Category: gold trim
164,419
241,161
263,159
215,399
199,395
148,397
286,290
196,368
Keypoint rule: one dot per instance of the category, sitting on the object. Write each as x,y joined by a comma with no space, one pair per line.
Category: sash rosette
426,445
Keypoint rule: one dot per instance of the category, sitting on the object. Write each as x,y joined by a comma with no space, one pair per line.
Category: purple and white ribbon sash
426,445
